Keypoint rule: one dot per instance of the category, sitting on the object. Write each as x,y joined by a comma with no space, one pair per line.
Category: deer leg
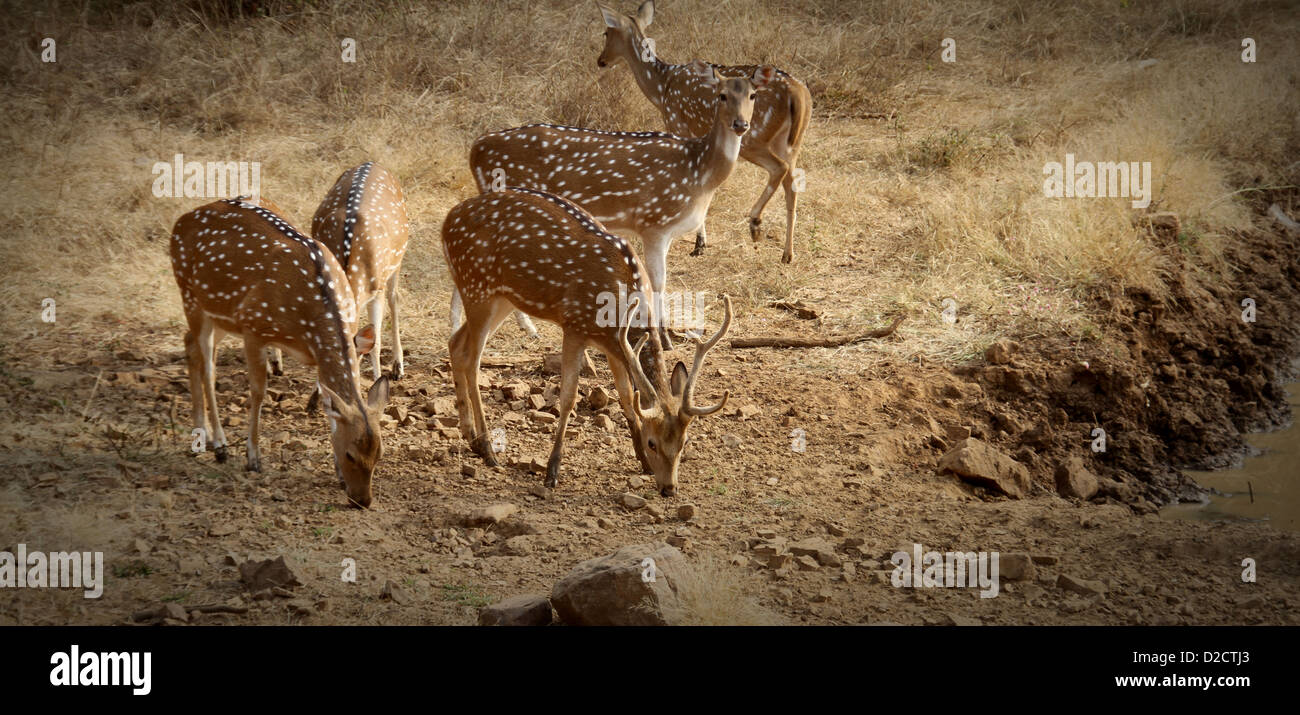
455,309
791,197
572,355
376,310
467,350
626,393
208,340
656,254
399,370
699,241
197,368
526,324
256,393
275,361
777,171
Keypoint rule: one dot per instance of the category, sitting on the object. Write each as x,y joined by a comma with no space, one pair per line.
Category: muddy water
1273,475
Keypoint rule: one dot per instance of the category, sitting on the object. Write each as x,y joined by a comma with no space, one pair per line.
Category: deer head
668,414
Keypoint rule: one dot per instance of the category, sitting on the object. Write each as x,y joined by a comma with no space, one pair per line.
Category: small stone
598,398
807,563
1079,585
540,491
525,610
632,501
177,612
1016,567
488,515
394,593
686,512
604,422
469,470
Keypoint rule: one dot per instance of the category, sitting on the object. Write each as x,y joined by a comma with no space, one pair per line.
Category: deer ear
331,404
377,397
611,17
763,76
645,14
678,380
365,340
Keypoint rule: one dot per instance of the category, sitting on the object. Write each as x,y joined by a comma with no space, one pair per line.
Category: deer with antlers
685,96
655,184
243,270
527,250
362,221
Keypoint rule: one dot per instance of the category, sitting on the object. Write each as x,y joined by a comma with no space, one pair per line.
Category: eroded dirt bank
95,453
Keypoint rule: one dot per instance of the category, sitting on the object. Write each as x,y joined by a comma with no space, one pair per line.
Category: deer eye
651,445
752,96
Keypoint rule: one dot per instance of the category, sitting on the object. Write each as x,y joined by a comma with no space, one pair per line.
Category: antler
633,357
702,349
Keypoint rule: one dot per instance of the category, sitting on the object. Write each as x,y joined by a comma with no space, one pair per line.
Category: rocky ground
792,501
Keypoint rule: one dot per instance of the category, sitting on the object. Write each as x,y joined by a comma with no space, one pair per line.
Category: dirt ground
107,454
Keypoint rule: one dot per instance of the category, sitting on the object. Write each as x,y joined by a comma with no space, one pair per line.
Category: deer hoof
787,258
253,465
221,454
398,372
755,229
313,401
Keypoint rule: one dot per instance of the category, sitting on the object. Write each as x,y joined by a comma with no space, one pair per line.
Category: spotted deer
685,97
243,270
362,221
654,184
520,249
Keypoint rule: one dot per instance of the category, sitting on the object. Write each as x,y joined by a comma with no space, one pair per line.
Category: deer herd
536,241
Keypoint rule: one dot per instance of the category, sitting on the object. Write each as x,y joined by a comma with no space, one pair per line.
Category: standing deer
654,184
520,249
684,97
362,221
243,270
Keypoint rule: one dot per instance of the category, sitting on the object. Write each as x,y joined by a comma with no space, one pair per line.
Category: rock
686,512
176,612
618,590
1044,560
632,501
1001,352
744,412
635,482
489,515
807,563
1074,481
605,422
1079,585
975,461
730,440
469,470
516,391
598,398
536,465
271,573
521,545
816,548
554,362
1016,567
526,610
540,491
545,418
394,593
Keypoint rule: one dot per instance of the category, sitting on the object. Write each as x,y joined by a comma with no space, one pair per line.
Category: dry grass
711,593
942,200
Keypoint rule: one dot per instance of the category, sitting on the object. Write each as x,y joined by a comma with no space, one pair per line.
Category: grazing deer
243,270
362,221
520,249
685,98
654,184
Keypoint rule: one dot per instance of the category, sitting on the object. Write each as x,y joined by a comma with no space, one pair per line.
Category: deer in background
362,221
655,184
535,252
243,270
685,97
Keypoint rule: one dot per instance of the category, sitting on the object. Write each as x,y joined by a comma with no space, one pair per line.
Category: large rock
489,515
526,610
978,462
618,590
1074,481
268,574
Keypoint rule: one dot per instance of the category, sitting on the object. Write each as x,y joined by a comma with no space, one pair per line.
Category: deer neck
718,152
650,75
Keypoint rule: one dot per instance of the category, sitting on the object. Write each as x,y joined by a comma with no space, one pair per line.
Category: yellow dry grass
940,198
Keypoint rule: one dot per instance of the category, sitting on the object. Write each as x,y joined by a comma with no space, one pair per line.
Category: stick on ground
739,343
